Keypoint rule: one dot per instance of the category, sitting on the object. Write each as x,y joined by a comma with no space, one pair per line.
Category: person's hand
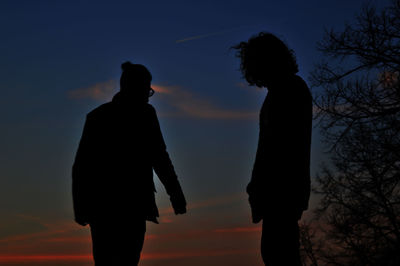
299,213
256,209
178,204
256,202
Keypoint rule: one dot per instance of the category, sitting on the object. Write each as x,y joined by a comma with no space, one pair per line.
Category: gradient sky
61,59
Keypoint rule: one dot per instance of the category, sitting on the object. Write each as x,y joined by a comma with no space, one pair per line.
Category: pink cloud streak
238,230
184,102
16,258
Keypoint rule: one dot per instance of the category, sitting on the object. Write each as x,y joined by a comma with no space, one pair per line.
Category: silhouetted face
138,92
135,84
261,71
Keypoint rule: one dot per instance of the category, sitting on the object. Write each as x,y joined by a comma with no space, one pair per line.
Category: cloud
196,253
46,229
218,201
100,91
54,235
65,242
249,88
181,102
187,103
144,256
239,230
20,258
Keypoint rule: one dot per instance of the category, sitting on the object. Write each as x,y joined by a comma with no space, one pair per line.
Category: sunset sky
61,59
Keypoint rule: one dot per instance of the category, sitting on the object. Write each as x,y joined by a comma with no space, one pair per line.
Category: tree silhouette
359,118
310,245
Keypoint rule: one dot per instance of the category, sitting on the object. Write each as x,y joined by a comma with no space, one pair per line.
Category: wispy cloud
239,230
48,230
187,103
145,256
213,202
66,242
196,37
197,253
58,236
100,91
184,103
22,258
249,88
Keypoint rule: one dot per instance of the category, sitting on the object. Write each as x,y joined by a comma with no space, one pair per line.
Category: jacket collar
121,100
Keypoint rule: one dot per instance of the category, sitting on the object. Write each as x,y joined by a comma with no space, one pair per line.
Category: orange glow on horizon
144,256
239,230
44,257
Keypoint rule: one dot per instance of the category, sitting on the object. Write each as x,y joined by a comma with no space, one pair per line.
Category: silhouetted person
113,188
279,189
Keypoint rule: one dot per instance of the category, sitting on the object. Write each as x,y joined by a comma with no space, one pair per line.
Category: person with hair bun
112,175
279,189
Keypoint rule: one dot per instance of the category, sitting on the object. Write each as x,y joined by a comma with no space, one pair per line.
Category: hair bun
125,66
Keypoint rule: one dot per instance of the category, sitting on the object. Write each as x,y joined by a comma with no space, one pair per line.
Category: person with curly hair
279,189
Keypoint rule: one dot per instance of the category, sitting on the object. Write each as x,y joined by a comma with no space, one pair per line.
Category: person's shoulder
100,111
299,81
150,108
300,87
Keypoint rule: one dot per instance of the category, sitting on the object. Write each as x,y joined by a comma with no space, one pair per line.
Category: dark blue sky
60,59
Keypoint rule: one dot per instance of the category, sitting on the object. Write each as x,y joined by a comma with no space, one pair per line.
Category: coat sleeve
281,173
162,164
294,132
81,174
300,150
256,189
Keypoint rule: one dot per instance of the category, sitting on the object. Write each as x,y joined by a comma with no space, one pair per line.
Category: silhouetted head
265,59
135,82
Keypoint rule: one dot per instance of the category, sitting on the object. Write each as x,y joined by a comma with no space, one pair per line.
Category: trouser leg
117,244
280,243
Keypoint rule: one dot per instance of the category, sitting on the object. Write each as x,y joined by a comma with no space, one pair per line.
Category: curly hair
265,55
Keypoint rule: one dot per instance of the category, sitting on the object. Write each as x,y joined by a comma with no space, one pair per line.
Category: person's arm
164,169
294,130
302,148
80,176
256,188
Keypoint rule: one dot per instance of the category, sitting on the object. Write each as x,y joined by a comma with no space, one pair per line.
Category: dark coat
280,182
112,174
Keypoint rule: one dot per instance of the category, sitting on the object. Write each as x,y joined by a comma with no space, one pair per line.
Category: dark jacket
280,182
112,174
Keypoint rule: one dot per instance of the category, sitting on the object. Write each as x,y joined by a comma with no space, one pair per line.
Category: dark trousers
117,243
280,242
